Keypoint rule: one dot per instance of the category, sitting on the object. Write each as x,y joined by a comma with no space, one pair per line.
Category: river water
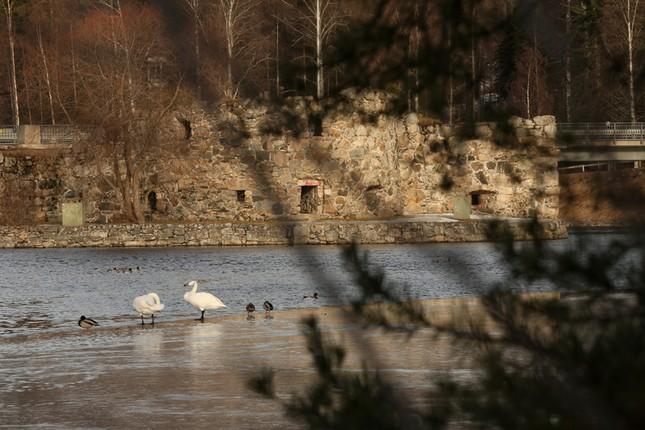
47,290
181,372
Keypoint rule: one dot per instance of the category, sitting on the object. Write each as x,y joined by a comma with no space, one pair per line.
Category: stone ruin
255,163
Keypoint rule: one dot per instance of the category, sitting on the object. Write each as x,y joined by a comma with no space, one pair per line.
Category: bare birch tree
238,27
414,41
567,62
15,106
627,17
315,23
528,92
48,84
276,14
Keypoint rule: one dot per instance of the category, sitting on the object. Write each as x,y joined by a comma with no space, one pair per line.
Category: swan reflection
205,342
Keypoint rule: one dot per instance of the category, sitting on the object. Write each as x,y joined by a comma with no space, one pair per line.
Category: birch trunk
413,73
316,22
15,107
473,64
451,102
320,82
74,71
278,92
450,79
198,82
43,56
27,95
536,69
567,65
631,15
229,8
528,93
632,97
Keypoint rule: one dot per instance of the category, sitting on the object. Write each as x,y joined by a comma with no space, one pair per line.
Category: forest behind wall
65,60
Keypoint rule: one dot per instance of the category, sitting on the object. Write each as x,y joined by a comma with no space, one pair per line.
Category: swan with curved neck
202,301
148,305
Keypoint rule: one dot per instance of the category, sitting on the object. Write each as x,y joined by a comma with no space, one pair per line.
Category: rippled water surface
181,372
47,290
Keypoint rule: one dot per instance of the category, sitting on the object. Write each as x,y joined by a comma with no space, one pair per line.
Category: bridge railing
51,134
8,134
601,132
42,134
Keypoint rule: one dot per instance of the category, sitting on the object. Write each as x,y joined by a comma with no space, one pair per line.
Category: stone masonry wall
358,169
248,234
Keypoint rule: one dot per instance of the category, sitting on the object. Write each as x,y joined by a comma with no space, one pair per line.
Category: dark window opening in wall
316,125
152,201
188,129
241,196
475,199
308,199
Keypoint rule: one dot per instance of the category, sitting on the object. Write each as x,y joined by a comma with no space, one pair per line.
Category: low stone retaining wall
250,234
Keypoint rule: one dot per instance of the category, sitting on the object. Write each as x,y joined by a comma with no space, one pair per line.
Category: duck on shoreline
268,307
86,323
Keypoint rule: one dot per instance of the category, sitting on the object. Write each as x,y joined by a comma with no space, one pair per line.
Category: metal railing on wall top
588,132
8,134
46,134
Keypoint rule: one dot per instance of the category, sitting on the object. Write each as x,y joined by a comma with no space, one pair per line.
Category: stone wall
32,184
245,163
248,234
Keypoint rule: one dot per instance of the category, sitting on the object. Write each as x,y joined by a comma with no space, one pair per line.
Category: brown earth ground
606,198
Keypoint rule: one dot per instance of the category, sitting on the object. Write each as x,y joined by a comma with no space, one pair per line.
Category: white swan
148,305
202,301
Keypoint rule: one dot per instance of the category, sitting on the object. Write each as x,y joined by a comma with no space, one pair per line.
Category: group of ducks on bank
150,304
250,308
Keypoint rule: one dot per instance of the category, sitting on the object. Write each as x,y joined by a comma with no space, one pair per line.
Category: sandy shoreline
329,314
438,310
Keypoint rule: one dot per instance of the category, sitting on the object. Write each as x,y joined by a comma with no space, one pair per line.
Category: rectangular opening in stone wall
241,196
308,199
152,201
316,125
475,199
483,200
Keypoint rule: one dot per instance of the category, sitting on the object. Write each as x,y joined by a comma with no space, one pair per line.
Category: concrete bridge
607,142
